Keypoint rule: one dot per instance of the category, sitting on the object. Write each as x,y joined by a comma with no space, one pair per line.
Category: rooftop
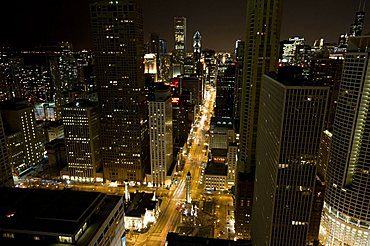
14,104
139,203
81,103
214,168
50,211
174,239
221,122
219,152
292,76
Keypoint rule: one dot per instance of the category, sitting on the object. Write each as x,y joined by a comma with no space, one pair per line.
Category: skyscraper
81,127
291,119
225,93
6,178
180,45
117,28
23,142
357,26
161,141
197,46
239,58
346,213
260,57
180,37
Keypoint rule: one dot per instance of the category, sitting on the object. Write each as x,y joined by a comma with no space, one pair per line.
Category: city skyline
42,22
153,122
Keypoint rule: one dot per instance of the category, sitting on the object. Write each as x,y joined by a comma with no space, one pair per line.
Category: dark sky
26,23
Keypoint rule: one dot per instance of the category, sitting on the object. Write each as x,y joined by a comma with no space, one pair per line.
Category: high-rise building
180,38
81,127
182,119
239,58
289,49
150,66
160,131
357,26
197,46
195,87
291,120
154,46
117,28
328,70
179,51
163,66
210,61
346,213
260,57
225,93
162,47
23,142
6,178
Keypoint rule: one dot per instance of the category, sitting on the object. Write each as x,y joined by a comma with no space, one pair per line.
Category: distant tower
197,45
188,188
357,26
180,42
162,47
180,37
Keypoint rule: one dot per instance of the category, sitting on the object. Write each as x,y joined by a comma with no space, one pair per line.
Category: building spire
363,7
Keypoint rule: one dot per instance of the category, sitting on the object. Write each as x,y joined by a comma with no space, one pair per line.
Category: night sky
221,22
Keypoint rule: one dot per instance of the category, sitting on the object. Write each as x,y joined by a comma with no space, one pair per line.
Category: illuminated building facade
358,25
346,219
179,51
260,57
141,211
232,158
117,29
210,61
161,141
197,46
291,120
239,59
81,127
6,178
290,51
24,145
180,38
150,66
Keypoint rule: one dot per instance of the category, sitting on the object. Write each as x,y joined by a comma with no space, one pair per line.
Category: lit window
64,239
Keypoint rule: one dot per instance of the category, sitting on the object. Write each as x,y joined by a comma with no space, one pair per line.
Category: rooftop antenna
362,4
